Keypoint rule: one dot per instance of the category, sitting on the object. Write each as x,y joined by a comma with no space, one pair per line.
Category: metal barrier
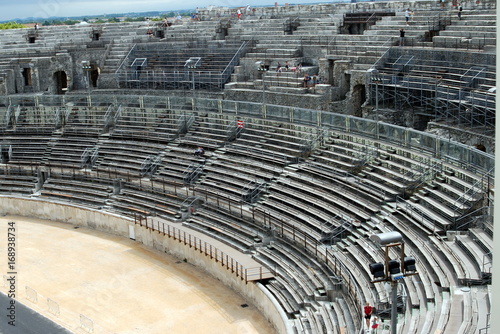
244,273
437,147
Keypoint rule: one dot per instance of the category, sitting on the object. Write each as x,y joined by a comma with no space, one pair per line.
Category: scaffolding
185,65
460,94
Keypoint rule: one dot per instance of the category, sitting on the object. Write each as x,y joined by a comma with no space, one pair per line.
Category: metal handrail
125,59
109,46
236,57
476,188
7,115
245,273
474,160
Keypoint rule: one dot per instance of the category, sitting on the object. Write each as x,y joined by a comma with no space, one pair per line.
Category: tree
71,22
11,25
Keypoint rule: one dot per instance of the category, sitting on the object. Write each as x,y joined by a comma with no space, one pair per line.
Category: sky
10,10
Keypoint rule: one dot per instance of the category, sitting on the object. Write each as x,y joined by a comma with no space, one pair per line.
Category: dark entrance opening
4,154
27,76
358,98
61,81
160,34
94,75
429,35
330,72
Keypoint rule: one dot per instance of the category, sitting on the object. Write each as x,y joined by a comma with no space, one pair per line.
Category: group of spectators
410,14
248,12
308,80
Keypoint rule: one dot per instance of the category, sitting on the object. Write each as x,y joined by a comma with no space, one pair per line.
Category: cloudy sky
10,10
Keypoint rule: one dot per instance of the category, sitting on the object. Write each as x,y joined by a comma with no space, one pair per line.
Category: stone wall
119,225
464,136
284,10
43,70
310,101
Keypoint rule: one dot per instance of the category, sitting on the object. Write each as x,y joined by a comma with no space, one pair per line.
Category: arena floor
118,285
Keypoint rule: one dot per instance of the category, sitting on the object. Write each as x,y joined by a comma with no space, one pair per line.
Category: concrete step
468,33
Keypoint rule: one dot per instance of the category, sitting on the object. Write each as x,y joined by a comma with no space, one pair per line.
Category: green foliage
71,22
11,25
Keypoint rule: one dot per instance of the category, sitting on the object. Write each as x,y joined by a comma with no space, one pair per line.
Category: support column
394,308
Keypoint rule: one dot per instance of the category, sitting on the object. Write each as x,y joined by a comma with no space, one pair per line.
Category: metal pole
88,81
263,87
394,308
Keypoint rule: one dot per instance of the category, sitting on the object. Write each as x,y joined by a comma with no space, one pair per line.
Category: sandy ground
119,285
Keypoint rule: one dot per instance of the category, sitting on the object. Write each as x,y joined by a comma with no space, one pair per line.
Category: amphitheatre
99,124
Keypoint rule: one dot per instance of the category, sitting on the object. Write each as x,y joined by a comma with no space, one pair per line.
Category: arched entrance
61,82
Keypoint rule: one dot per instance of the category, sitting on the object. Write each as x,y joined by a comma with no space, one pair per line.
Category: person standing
368,310
401,37
298,69
460,9
407,15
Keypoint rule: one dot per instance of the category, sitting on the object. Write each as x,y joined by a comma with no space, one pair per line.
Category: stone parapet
316,10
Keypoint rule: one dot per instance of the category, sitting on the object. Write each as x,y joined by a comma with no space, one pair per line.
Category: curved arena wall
119,225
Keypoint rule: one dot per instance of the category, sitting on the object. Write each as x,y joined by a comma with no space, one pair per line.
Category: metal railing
8,112
431,145
226,73
234,129
133,75
192,173
428,172
12,115
439,21
246,274
290,24
316,249
122,64
89,157
150,165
